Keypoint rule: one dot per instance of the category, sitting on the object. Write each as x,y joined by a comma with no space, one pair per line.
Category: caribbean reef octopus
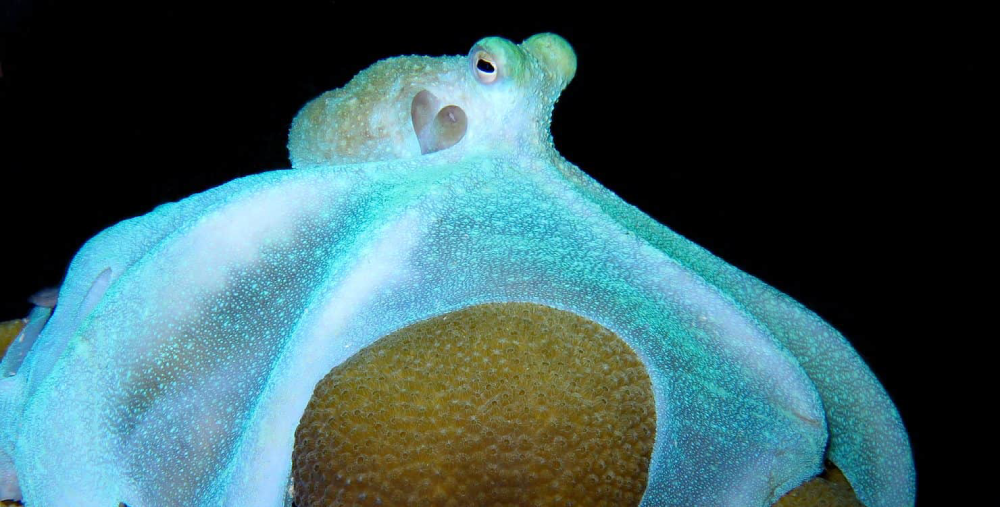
186,343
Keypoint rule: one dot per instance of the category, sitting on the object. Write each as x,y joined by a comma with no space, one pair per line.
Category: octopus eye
485,67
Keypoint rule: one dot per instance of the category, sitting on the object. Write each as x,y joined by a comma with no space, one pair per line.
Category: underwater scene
432,302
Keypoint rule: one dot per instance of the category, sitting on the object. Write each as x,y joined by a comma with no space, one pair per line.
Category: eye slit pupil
485,66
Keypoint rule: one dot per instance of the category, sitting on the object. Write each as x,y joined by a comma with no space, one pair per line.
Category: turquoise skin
186,342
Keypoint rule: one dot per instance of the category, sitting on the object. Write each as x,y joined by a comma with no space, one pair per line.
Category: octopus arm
868,441
186,380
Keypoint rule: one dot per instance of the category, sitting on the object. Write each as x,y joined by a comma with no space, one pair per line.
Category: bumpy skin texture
493,405
186,342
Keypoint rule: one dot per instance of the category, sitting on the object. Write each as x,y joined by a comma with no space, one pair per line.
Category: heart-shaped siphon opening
437,128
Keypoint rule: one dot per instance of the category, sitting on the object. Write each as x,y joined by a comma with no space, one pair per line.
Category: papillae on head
498,98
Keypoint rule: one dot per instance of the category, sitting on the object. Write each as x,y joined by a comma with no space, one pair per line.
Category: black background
826,151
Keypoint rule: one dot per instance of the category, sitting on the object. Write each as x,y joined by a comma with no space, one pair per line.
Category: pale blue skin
186,342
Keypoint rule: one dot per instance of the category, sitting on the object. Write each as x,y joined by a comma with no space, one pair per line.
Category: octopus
184,345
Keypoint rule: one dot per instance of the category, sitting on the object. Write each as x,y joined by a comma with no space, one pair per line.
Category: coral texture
495,405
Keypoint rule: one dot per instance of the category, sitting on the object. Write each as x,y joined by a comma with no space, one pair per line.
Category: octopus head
497,99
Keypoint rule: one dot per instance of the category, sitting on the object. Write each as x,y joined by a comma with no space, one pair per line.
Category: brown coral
509,404
830,489
8,331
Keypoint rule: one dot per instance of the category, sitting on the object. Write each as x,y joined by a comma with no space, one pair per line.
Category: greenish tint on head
556,55
543,61
496,100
